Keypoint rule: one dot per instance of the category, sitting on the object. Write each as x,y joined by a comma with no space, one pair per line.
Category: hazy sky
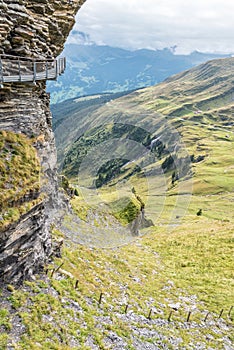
204,25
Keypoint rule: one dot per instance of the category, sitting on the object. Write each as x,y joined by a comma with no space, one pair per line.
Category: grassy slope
206,131
19,181
190,263
192,269
199,104
72,116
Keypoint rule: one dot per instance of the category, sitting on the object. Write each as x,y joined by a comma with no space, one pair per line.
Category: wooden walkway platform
20,69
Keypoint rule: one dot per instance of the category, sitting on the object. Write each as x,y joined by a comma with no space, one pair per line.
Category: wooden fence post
189,314
100,299
169,317
221,312
150,313
205,319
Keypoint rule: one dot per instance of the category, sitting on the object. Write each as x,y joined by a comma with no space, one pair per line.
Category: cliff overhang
32,32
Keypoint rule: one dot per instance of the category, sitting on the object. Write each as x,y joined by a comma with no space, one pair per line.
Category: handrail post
34,71
20,77
46,70
1,73
56,68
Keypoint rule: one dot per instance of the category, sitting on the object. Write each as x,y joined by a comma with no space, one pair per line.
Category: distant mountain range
93,69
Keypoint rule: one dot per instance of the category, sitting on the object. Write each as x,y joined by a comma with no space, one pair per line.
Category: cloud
203,25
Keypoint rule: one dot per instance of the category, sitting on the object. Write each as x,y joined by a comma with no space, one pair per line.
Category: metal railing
20,69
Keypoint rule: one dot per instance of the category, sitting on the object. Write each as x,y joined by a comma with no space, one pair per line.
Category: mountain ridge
179,128
93,69
179,89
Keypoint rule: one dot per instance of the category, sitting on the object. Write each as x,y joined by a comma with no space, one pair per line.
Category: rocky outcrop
32,29
25,246
36,28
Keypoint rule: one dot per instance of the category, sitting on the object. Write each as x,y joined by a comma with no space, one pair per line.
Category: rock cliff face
31,29
36,28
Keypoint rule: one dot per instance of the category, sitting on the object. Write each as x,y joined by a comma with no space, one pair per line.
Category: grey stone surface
32,29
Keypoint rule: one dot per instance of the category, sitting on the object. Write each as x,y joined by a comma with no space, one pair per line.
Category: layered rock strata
36,30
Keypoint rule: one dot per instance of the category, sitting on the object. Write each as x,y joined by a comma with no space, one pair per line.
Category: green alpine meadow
171,282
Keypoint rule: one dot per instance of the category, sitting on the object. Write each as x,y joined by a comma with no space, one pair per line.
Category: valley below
146,257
